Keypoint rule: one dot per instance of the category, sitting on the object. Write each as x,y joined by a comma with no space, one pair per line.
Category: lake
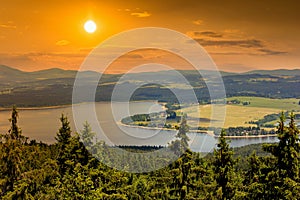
43,124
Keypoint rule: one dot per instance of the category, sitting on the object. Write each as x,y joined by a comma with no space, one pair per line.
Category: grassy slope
281,104
239,115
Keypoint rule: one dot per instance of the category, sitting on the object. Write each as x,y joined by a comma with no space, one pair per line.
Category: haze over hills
13,75
276,72
54,86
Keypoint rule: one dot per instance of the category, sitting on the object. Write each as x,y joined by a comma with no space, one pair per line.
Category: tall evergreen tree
15,132
223,167
87,135
11,154
63,138
70,150
281,178
182,167
64,134
181,172
180,145
182,134
252,175
287,151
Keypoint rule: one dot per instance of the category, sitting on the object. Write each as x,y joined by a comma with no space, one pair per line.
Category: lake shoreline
69,105
199,131
36,108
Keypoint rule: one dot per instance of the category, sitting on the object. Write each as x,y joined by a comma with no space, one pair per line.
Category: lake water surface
42,125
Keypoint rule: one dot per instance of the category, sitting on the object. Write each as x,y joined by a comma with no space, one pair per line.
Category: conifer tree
254,172
71,150
64,134
63,138
14,131
281,179
11,153
287,151
180,145
87,135
182,134
223,167
182,167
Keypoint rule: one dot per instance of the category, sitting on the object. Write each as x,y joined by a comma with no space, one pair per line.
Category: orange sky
239,35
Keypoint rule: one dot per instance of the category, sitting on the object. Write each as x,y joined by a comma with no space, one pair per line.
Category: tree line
67,170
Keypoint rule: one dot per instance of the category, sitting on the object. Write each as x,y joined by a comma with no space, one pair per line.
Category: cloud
223,39
207,34
141,14
34,55
198,22
255,52
246,43
233,42
8,26
62,43
272,52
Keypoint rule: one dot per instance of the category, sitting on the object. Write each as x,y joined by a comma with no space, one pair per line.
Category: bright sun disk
90,26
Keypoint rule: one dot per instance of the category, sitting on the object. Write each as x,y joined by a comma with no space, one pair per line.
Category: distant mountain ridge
55,86
276,72
61,73
10,75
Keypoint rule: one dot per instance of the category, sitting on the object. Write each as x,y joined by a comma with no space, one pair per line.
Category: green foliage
287,151
87,135
223,167
66,170
180,146
277,176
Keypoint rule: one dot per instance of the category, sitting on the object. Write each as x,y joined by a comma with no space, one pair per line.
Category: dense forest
67,170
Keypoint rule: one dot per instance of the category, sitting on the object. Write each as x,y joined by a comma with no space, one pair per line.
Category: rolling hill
54,86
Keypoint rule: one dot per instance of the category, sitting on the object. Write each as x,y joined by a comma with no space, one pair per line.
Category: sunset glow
90,26
238,35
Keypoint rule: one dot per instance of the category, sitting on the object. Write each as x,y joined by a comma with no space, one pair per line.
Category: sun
90,26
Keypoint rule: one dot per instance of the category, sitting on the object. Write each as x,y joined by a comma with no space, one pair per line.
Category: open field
261,102
239,114
235,115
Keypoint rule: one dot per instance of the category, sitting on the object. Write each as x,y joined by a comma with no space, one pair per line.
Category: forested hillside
66,170
55,86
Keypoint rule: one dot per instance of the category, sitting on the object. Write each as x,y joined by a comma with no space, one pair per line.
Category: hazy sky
240,35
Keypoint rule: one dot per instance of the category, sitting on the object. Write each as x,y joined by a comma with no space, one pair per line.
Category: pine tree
181,172
182,134
63,138
292,158
87,135
223,167
14,131
64,134
254,172
180,145
182,167
287,151
71,150
11,154
281,179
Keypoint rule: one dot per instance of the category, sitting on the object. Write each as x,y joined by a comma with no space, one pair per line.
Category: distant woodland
66,169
